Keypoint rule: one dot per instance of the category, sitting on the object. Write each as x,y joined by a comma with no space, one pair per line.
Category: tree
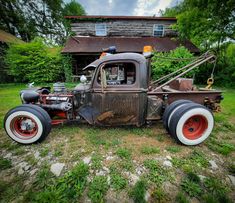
72,9
28,19
206,22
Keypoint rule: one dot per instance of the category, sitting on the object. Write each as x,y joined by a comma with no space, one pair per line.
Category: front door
120,100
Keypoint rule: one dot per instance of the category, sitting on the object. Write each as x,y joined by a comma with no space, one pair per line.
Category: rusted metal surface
182,84
201,97
154,110
88,45
131,104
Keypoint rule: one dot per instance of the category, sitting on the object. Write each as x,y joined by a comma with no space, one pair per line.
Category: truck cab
117,93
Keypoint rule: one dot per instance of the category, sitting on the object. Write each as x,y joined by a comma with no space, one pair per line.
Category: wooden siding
131,28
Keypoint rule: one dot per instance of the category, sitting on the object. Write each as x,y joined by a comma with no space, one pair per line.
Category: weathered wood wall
131,28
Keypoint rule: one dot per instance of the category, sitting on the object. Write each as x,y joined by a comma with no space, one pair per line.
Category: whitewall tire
191,124
26,125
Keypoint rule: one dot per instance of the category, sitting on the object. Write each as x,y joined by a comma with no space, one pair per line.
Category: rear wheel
26,125
191,124
170,111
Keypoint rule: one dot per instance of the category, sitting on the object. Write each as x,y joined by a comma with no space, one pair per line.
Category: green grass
97,189
149,150
73,185
156,174
137,193
4,163
124,153
68,188
174,149
96,161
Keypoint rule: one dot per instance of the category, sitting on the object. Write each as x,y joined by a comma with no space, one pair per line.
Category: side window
100,29
119,74
158,30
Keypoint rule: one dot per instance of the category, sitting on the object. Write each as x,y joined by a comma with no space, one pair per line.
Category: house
127,33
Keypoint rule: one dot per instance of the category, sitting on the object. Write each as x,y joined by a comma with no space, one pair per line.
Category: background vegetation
36,62
209,25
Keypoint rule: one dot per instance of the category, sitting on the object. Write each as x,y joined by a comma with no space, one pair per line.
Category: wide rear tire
191,124
26,124
167,115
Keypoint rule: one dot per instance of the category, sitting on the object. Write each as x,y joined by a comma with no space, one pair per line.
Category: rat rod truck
120,92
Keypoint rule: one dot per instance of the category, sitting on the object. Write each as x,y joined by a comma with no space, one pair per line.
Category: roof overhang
93,17
93,45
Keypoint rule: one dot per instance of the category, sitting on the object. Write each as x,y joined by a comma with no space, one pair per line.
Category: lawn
118,164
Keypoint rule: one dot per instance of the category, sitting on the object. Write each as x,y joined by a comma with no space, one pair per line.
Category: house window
158,30
100,29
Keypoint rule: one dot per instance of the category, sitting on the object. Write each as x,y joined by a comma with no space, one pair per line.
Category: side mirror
103,78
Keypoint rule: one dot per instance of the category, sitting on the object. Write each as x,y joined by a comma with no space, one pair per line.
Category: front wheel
26,125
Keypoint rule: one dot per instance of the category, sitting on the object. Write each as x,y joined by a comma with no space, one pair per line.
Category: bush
35,62
161,66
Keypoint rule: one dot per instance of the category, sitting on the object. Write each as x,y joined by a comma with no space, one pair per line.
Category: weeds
191,188
96,161
44,152
149,150
67,188
182,198
97,189
31,160
118,182
159,195
173,149
138,192
220,147
5,163
123,153
156,174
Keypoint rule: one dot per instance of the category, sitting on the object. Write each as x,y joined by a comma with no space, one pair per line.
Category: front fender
89,113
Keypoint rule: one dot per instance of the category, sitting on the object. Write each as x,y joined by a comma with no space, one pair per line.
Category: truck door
120,100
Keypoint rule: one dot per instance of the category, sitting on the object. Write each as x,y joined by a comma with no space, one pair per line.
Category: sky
126,7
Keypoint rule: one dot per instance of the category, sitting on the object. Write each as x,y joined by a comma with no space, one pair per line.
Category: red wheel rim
29,132
194,127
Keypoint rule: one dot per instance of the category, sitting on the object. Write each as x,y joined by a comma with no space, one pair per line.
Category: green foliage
138,192
195,161
191,188
149,150
73,8
156,175
96,161
209,25
4,163
193,177
221,147
181,198
161,66
173,149
159,195
118,182
204,22
42,18
123,153
214,186
98,189
67,188
35,62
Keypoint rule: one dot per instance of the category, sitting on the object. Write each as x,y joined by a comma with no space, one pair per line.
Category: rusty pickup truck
119,92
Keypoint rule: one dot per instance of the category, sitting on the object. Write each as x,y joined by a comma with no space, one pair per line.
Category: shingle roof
82,45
